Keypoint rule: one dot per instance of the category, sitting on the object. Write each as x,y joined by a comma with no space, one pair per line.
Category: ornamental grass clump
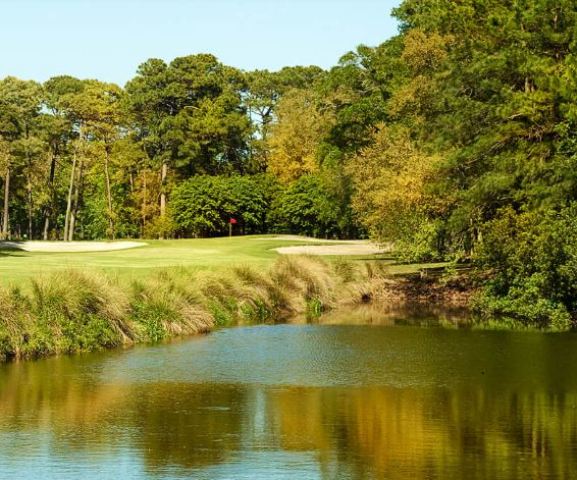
305,280
77,311
163,306
372,283
262,300
13,320
221,297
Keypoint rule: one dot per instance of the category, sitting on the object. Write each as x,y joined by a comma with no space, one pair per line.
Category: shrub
306,207
203,205
532,263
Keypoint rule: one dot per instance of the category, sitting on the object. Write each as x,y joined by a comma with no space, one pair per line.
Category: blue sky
108,39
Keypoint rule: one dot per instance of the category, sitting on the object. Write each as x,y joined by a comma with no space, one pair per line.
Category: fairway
212,253
17,267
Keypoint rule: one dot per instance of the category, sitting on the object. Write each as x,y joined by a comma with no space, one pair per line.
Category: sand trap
299,238
69,247
355,247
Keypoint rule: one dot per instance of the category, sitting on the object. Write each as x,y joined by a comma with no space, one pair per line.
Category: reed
74,311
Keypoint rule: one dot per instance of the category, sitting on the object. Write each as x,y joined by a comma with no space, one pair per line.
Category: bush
203,205
532,263
306,207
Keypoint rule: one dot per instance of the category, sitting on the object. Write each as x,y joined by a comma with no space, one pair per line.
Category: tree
189,117
98,109
59,130
296,136
19,108
264,91
5,164
306,207
203,205
392,197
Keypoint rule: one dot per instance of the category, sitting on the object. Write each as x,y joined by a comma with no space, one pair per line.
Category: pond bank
73,311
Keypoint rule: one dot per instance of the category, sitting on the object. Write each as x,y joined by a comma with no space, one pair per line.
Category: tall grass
76,311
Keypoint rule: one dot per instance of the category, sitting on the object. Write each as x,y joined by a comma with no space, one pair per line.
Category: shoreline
73,311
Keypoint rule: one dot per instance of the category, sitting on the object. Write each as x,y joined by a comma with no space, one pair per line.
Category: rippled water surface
299,402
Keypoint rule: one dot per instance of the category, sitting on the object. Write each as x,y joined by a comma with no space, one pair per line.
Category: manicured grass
202,254
17,267
412,268
389,264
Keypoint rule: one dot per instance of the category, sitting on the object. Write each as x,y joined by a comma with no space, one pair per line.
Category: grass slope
54,303
75,311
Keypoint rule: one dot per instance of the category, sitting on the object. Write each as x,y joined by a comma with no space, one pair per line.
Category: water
299,402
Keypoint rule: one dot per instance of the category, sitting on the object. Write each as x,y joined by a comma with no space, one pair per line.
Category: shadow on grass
11,249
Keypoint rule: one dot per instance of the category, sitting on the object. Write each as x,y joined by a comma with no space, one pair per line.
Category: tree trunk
6,223
67,217
46,226
112,233
144,201
30,206
29,186
49,211
71,226
76,202
163,175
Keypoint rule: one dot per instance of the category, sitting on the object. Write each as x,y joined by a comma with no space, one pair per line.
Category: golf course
17,265
72,297
288,240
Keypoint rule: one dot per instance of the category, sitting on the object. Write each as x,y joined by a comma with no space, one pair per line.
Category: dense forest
455,139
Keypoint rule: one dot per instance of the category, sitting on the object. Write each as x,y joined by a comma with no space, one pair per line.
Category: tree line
85,159
474,155
455,139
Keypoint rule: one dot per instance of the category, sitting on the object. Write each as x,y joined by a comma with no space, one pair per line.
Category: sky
108,39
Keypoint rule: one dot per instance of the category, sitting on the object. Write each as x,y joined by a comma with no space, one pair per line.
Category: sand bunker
346,248
302,238
69,247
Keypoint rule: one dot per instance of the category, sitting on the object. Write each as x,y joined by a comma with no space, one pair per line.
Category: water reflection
517,418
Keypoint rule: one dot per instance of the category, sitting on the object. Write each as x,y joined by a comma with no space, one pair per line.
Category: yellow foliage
391,176
425,52
415,98
296,135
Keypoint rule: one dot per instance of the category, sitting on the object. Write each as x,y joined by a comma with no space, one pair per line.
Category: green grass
388,264
204,254
412,268
17,267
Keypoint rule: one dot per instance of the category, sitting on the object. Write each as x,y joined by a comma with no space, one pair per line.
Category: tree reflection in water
498,428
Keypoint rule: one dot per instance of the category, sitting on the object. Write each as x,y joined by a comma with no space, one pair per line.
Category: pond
299,402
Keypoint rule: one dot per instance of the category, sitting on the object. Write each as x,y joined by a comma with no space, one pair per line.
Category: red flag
233,221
